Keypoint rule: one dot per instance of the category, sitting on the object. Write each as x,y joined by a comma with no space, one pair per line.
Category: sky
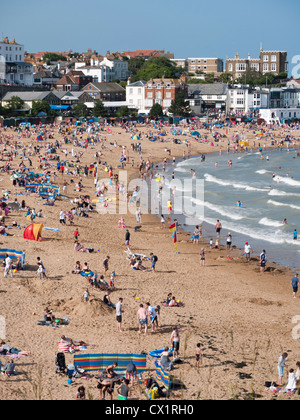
196,28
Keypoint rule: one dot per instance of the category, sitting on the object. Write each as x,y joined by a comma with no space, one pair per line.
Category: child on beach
198,355
86,295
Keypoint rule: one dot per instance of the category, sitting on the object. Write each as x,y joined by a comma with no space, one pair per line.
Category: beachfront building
31,96
205,65
73,81
135,95
105,70
46,78
106,91
242,100
13,69
279,115
274,62
284,97
207,98
163,92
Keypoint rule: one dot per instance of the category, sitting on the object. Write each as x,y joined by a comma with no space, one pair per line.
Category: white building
105,70
135,95
279,115
242,99
13,69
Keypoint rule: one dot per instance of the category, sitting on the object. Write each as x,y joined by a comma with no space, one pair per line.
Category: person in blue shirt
295,234
295,282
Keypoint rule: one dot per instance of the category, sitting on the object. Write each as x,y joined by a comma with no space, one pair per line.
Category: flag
172,228
175,239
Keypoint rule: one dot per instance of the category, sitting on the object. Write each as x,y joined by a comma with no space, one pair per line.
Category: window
149,95
266,67
240,101
266,58
230,67
273,67
241,67
255,66
273,58
168,94
199,61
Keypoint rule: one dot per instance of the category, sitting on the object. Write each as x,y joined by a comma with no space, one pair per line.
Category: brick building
162,91
274,62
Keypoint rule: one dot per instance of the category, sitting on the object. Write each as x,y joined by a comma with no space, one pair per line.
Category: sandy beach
243,319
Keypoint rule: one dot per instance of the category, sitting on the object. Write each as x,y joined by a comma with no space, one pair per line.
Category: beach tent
33,232
90,362
135,137
13,254
195,133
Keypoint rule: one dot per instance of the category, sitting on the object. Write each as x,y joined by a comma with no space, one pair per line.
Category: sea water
267,184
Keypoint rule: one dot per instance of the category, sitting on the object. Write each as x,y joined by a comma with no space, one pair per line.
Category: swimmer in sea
284,222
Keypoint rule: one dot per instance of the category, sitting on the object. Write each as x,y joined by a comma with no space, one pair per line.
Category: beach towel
90,362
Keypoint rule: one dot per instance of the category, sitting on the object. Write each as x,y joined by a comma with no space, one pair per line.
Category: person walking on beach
229,241
8,266
175,341
295,283
119,312
127,238
105,264
62,218
263,261
218,228
154,260
202,256
41,268
198,355
281,364
142,318
247,251
153,316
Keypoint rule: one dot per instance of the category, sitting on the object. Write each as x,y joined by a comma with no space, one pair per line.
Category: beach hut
33,232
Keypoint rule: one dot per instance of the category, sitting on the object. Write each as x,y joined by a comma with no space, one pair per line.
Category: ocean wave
277,237
263,172
278,204
280,193
222,210
269,222
286,180
212,178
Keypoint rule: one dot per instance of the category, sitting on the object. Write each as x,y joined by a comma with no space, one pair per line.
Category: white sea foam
222,210
278,204
280,193
269,222
264,234
212,178
286,180
263,172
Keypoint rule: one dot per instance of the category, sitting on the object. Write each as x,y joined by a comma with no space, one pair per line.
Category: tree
225,77
124,111
156,68
48,57
99,109
180,106
40,106
15,103
156,111
81,110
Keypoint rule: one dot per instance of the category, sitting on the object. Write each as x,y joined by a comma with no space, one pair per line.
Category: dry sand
243,320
